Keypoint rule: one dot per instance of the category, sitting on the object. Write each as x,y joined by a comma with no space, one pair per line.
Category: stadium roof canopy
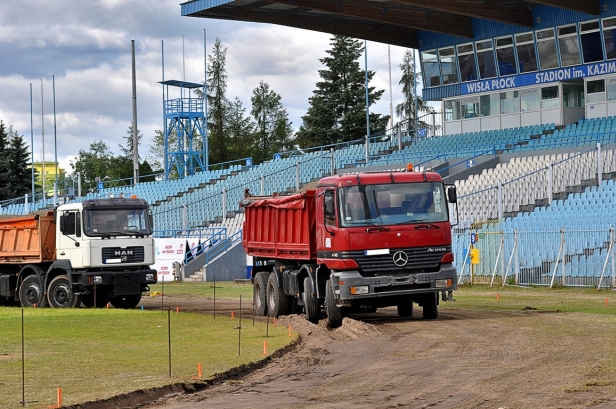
395,22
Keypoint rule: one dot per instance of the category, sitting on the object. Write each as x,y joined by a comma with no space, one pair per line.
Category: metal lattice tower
186,143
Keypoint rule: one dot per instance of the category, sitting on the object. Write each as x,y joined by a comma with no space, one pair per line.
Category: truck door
68,243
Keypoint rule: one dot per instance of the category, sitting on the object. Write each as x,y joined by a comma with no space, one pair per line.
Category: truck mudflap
351,285
121,283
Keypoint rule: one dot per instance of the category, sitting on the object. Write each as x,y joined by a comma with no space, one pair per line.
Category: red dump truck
357,242
94,252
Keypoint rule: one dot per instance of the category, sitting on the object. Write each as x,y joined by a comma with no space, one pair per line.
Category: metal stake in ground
23,368
162,299
214,296
239,330
169,332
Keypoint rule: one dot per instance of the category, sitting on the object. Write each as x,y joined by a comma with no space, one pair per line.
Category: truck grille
126,255
418,259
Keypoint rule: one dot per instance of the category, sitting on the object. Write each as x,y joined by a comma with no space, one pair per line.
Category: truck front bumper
128,278
351,285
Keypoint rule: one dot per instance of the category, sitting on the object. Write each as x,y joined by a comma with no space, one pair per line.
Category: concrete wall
228,267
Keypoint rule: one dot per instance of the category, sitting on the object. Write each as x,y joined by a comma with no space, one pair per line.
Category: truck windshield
388,204
116,222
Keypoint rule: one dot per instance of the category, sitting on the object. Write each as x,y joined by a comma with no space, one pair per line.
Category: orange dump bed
27,239
280,227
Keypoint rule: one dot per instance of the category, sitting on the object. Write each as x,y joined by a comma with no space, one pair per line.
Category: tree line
336,113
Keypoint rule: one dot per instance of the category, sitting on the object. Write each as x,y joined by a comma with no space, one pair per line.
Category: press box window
470,107
549,98
546,45
595,91
529,100
505,56
449,69
489,104
452,110
466,62
510,102
430,68
569,46
611,89
527,57
609,34
590,37
485,59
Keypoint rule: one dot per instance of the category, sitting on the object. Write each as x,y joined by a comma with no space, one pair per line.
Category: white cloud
86,45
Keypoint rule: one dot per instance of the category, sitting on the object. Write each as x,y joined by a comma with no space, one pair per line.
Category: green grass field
94,354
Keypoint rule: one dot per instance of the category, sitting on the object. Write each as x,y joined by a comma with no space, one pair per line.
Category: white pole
43,138
135,137
599,165
391,98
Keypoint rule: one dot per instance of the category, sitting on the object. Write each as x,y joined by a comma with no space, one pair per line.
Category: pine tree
410,78
273,129
337,111
20,172
240,128
5,165
218,105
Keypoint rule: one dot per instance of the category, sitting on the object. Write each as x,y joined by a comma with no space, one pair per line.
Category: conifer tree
20,172
337,111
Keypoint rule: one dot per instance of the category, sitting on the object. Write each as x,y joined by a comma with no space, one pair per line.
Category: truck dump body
280,227
27,239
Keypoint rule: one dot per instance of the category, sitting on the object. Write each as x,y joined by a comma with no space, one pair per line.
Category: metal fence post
333,164
224,203
262,185
599,165
297,177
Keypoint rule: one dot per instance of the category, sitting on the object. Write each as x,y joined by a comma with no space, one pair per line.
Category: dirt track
465,359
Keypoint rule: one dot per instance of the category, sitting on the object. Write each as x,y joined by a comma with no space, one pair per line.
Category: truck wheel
405,308
259,293
430,307
334,313
127,302
311,303
278,303
31,292
60,295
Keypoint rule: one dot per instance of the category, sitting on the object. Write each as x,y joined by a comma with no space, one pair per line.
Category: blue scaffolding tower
184,120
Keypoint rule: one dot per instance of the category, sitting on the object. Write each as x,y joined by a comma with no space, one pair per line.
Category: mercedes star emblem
400,258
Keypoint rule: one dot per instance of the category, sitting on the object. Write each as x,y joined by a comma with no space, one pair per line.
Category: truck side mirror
452,194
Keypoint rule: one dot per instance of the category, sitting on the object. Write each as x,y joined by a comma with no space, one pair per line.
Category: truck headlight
444,283
149,277
360,289
98,280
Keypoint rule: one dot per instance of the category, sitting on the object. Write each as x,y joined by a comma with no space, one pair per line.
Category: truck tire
334,313
278,303
430,307
31,292
311,303
259,293
60,295
126,302
405,308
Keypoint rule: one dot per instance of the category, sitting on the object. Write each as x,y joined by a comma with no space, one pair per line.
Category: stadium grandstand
526,131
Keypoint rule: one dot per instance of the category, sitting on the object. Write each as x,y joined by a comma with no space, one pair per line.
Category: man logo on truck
400,258
123,253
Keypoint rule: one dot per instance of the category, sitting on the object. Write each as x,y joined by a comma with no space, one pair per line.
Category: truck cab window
329,208
70,225
389,204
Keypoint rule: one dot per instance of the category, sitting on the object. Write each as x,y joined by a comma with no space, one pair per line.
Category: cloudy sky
86,46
